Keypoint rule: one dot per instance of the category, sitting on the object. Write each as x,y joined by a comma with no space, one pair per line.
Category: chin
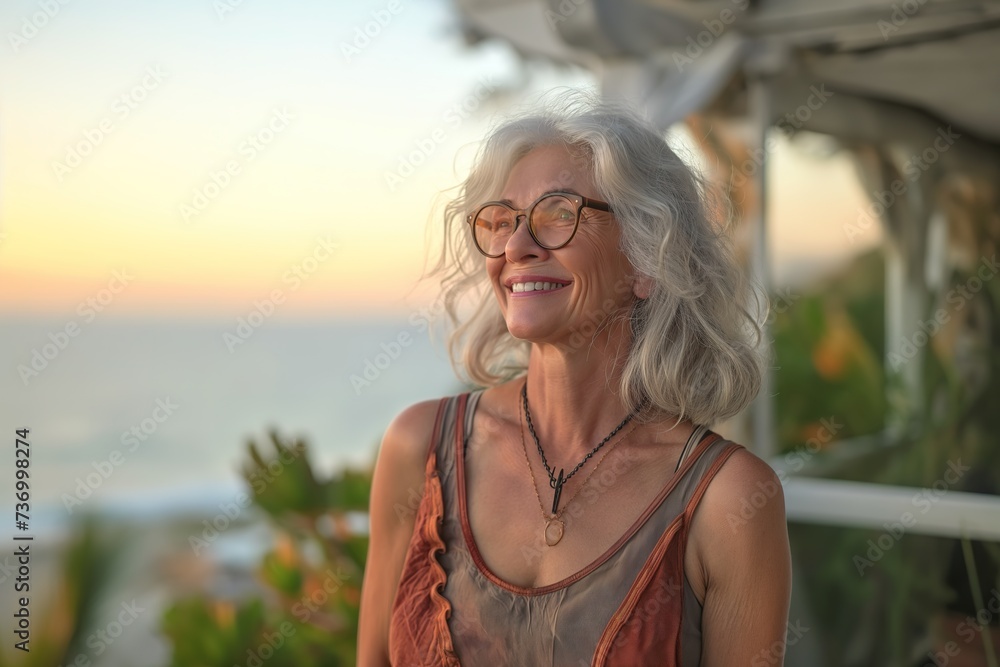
520,330
530,331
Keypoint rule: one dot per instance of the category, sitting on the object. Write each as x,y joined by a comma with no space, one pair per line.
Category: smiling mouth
535,287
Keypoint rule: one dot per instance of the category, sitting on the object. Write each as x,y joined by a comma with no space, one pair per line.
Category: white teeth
535,286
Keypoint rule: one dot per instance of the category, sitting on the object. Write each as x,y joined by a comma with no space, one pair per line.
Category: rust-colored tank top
631,607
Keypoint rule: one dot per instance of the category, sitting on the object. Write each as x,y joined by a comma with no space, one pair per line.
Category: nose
521,245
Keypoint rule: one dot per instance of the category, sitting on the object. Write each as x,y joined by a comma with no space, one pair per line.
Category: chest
601,511
597,597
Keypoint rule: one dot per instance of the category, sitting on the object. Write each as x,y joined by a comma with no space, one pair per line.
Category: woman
577,511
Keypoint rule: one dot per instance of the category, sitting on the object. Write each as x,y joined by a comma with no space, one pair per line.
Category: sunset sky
210,150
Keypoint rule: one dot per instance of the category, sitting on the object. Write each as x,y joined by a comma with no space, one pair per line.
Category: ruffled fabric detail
419,633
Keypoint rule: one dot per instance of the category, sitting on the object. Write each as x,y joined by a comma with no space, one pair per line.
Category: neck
573,397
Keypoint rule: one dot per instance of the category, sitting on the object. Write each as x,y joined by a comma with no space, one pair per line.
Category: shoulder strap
436,434
471,400
693,440
707,477
459,421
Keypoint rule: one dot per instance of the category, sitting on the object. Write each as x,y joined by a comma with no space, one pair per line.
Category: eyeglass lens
552,221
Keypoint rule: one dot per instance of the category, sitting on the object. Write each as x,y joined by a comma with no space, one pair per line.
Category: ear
642,286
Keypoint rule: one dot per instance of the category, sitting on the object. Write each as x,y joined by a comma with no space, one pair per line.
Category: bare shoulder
741,513
397,486
402,458
407,438
398,480
744,472
745,491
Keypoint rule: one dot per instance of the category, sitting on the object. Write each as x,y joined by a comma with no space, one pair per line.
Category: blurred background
215,217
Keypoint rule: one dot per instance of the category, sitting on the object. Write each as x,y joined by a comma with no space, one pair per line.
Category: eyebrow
569,191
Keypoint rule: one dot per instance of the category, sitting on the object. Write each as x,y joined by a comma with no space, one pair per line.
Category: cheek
600,238
603,260
610,278
493,268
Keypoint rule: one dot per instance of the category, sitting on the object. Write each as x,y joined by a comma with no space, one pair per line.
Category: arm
741,542
398,479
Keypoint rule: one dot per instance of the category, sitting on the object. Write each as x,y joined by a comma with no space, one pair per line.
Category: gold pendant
554,529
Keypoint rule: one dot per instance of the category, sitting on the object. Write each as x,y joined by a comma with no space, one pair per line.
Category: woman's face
595,277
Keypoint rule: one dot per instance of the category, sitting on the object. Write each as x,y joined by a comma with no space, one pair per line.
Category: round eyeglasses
552,219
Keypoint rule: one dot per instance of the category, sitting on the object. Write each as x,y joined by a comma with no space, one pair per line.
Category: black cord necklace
555,483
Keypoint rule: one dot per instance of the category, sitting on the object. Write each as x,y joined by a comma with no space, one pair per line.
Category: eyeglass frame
584,202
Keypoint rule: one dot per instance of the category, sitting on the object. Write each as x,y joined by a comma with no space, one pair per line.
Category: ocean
150,417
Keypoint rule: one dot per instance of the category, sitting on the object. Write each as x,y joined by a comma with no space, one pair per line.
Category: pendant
558,487
554,529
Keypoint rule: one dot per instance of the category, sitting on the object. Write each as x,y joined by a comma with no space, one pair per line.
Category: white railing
939,512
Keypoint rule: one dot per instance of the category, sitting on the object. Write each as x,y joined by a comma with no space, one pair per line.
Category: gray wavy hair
696,348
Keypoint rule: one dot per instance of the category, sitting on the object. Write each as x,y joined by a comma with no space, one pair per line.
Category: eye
555,210
495,219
